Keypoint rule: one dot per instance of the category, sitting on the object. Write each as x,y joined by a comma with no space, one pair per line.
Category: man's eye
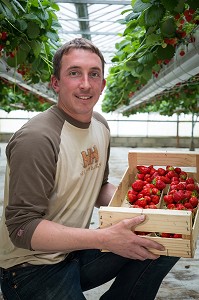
74,73
94,74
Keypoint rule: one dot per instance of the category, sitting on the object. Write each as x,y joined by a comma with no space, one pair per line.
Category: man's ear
55,83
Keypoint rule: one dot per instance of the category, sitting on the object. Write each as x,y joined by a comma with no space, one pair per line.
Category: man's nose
85,82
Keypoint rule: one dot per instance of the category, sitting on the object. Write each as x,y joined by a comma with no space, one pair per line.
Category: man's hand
121,239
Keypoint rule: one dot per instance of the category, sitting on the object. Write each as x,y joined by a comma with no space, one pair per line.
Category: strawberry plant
154,29
28,39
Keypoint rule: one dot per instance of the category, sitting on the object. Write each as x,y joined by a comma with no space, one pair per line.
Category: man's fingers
133,222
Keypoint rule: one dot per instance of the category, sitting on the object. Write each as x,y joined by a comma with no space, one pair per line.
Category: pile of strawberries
183,192
146,191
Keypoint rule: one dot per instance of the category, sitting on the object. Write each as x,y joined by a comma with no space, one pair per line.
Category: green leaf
154,14
21,25
165,53
131,26
52,36
139,69
7,3
168,27
140,6
36,47
30,17
153,39
17,5
180,6
192,4
145,59
55,6
33,30
20,58
169,4
7,12
132,16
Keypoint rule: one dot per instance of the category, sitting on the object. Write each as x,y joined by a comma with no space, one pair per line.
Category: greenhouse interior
150,100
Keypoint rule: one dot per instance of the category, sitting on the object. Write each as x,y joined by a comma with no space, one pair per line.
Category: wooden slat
157,220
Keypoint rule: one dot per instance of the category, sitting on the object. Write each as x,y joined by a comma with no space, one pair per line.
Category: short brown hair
77,43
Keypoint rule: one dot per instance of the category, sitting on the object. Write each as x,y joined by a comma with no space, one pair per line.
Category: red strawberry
141,202
138,185
143,169
140,176
177,236
131,197
190,180
190,187
178,196
178,170
194,201
168,199
183,175
171,206
155,199
161,171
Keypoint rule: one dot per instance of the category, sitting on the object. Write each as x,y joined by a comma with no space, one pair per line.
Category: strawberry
155,199
172,174
188,206
182,53
183,175
168,199
171,206
3,35
177,236
165,235
178,196
155,191
140,176
161,171
190,180
147,198
190,187
152,206
146,191
141,202
194,201
181,186
180,206
159,184
131,197
138,185
169,168
143,169
178,170
166,179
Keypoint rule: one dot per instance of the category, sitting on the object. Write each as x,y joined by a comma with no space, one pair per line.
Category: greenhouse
122,77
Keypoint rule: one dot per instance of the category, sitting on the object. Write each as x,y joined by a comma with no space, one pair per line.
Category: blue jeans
84,270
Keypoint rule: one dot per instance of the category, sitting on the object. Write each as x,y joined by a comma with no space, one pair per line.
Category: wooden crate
157,220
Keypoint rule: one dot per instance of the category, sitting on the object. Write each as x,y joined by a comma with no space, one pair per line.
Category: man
57,172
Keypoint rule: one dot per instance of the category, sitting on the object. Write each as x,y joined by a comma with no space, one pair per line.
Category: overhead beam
88,32
94,2
82,13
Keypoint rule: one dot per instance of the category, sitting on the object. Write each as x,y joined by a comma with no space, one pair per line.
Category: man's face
81,83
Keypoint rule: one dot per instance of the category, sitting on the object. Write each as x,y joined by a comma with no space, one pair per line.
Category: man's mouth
84,97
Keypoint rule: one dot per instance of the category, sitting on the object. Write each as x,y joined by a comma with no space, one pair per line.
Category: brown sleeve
100,118
32,157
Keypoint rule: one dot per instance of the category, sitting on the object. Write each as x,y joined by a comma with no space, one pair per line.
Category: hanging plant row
28,37
154,30
182,98
15,97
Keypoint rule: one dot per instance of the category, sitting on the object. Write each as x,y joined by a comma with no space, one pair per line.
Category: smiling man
57,172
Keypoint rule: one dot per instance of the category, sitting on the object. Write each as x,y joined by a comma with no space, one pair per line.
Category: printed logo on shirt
90,156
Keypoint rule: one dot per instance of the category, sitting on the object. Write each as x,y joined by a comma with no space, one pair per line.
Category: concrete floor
183,280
